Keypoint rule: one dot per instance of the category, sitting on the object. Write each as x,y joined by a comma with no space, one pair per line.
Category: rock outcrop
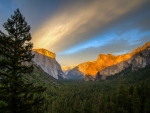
45,53
141,59
112,70
75,74
47,61
109,64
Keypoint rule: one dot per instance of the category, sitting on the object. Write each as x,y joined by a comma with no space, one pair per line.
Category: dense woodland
126,92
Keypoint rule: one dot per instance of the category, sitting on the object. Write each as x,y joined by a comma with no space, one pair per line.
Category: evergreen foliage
16,96
129,93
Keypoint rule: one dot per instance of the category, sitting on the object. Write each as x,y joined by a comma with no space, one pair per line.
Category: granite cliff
107,65
47,61
139,58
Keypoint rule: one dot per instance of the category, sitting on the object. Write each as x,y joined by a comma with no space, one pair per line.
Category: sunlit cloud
72,26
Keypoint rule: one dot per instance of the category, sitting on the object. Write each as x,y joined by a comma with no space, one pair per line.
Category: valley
81,56
118,93
122,92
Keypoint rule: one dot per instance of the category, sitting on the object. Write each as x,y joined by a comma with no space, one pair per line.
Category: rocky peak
105,57
108,64
45,52
107,60
141,48
47,61
88,68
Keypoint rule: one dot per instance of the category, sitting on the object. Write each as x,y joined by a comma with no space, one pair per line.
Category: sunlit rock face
90,69
45,53
113,64
137,59
107,65
47,61
108,60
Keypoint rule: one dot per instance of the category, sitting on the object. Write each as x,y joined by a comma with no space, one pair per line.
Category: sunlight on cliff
45,53
104,61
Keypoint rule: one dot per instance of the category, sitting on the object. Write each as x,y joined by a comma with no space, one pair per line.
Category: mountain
66,69
107,65
39,77
47,61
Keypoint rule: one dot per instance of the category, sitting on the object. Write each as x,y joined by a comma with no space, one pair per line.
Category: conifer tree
16,96
136,101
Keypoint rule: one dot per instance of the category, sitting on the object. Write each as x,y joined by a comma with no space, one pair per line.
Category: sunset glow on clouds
78,31
78,24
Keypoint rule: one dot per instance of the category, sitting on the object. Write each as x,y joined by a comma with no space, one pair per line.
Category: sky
79,30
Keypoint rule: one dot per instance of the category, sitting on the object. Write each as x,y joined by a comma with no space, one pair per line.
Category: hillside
39,77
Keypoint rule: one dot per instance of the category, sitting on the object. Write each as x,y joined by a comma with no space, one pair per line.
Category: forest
126,92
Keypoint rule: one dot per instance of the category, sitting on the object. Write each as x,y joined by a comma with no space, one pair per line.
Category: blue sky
79,30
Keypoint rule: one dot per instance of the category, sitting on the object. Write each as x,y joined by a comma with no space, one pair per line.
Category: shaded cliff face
47,61
109,64
141,59
112,70
75,74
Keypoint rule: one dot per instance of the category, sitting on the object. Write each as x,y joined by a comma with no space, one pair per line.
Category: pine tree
16,96
147,106
135,101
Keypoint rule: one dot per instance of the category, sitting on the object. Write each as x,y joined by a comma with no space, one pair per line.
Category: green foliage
117,94
16,96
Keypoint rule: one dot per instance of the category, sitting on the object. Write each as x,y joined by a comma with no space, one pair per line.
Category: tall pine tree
16,96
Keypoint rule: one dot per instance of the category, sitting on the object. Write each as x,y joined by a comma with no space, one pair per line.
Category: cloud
115,46
139,22
79,23
91,54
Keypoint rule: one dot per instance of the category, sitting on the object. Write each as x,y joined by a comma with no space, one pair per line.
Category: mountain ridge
45,52
108,64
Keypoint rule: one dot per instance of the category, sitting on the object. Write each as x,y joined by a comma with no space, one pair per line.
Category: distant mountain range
105,65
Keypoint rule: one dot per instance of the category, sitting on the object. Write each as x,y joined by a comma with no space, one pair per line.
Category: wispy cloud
115,47
78,23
